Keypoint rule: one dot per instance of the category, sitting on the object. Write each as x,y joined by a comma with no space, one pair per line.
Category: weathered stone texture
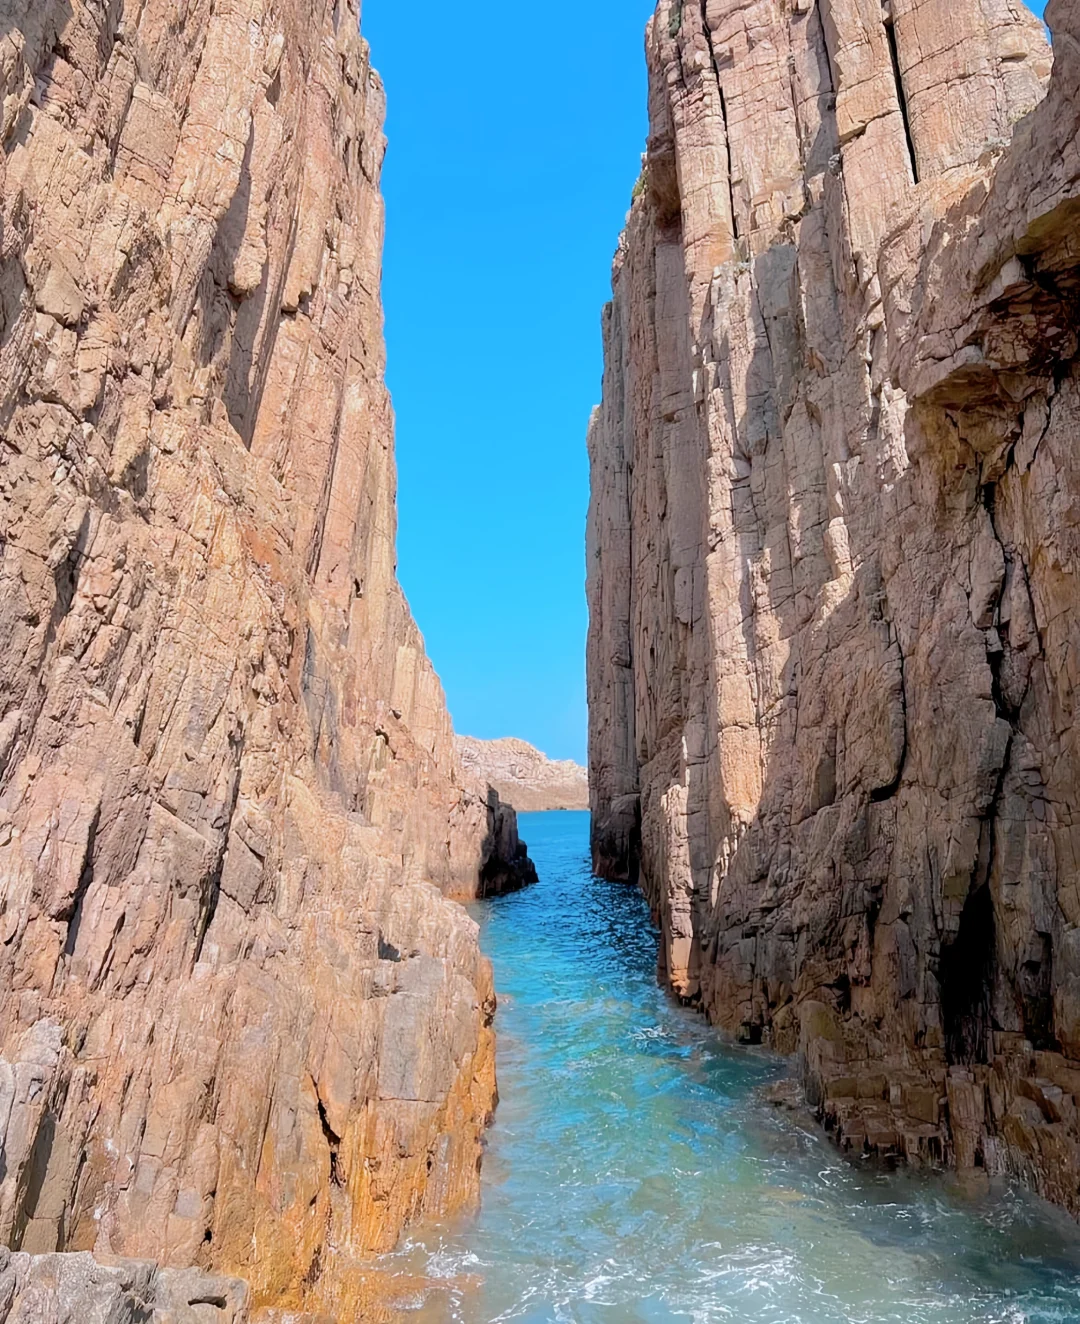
241,1025
76,1289
523,776
833,541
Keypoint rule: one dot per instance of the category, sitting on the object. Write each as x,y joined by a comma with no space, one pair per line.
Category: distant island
523,776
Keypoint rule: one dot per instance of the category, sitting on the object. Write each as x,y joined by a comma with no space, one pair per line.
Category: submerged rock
833,554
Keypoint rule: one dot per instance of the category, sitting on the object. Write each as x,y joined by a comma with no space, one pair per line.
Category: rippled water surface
635,1175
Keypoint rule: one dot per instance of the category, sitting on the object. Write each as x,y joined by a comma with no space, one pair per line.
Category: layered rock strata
523,776
241,1025
834,541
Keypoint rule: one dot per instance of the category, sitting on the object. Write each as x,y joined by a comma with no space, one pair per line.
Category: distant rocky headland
525,778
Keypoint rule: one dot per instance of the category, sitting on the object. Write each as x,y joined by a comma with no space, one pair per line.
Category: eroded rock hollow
833,551
242,1025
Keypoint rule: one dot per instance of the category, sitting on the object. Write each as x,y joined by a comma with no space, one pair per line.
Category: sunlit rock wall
833,547
240,1025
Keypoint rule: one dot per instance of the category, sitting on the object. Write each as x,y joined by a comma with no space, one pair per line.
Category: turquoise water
635,1176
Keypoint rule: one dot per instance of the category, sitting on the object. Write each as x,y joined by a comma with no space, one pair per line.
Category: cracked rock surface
76,1289
242,1026
833,547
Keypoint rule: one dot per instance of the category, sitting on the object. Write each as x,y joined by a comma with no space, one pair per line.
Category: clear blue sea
635,1175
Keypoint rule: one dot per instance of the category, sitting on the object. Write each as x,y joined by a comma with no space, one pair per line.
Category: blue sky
515,141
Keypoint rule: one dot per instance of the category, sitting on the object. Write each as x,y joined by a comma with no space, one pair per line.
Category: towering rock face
241,1025
834,543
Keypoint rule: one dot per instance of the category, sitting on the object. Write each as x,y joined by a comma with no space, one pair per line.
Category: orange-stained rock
241,1025
834,553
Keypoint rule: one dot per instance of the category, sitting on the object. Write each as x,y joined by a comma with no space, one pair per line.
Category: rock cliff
833,550
523,776
241,1025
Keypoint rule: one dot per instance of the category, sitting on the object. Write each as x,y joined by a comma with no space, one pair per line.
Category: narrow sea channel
635,1176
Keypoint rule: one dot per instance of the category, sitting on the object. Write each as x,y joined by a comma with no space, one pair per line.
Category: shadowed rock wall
833,551
240,1022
